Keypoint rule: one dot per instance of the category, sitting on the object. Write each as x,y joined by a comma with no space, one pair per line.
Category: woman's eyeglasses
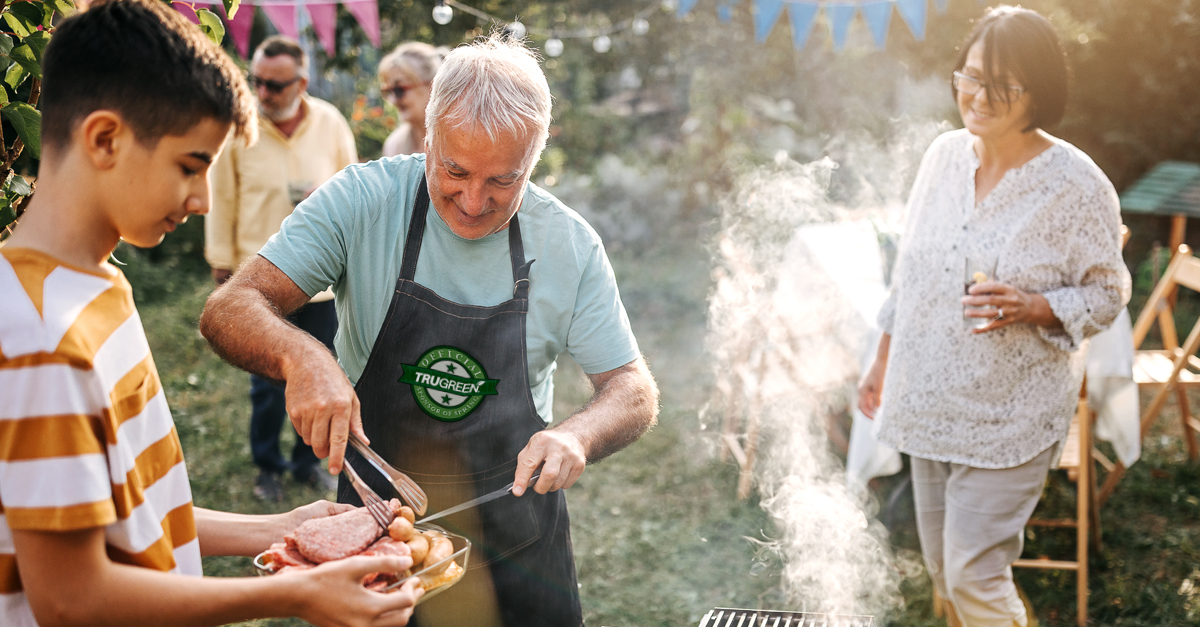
971,86
274,87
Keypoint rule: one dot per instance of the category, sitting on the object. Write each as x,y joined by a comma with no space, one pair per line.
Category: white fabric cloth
997,400
849,256
1112,393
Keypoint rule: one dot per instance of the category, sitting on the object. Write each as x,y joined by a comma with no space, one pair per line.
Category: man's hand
221,275
561,456
245,323
323,406
624,405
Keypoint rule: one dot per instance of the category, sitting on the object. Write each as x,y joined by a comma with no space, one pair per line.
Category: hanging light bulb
554,47
641,26
515,30
442,14
602,44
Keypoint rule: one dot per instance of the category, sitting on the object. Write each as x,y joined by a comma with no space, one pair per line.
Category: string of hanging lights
601,38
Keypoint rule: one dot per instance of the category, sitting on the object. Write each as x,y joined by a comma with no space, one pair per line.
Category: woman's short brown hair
1020,43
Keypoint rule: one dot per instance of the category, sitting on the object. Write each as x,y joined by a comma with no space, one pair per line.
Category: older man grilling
450,322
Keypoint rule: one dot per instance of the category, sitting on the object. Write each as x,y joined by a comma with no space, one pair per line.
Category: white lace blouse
997,399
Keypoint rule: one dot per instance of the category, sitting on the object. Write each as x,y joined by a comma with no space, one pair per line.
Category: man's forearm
623,407
248,331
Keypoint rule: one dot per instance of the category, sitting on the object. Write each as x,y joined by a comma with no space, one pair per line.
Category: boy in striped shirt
97,525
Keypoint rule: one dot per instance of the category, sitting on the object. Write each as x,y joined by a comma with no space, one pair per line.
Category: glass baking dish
462,551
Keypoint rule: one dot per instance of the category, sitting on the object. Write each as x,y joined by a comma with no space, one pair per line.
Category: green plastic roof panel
1172,187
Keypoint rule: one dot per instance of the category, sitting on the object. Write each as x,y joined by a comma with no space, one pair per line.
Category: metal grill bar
732,617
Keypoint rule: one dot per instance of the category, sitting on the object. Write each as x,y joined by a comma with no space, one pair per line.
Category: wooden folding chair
1175,368
1081,469
1078,459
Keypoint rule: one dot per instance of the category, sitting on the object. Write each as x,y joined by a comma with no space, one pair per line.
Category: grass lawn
659,536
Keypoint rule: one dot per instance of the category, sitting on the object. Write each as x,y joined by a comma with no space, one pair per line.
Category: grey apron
445,398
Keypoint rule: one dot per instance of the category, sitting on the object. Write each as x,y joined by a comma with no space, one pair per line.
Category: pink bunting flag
324,21
239,27
186,11
367,14
283,16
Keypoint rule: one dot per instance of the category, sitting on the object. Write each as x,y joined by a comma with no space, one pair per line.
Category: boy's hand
333,594
317,509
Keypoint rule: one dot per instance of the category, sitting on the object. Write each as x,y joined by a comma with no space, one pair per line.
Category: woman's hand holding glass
1009,305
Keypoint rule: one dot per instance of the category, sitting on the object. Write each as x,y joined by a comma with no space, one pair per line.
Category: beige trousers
971,522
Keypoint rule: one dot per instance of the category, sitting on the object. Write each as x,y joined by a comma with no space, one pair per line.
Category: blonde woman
404,79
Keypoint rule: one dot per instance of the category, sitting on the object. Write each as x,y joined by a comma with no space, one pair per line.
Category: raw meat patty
335,537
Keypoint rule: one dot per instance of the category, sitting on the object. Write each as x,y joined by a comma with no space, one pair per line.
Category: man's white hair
494,85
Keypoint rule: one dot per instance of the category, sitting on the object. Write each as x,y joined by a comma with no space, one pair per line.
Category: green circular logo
447,383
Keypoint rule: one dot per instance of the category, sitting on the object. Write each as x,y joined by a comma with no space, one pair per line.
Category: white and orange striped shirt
86,437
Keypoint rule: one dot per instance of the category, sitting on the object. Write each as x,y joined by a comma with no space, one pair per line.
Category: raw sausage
440,548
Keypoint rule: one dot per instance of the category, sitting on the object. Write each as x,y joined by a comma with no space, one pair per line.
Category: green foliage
212,25
27,121
25,29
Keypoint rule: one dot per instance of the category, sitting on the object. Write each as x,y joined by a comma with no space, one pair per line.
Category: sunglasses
273,87
395,94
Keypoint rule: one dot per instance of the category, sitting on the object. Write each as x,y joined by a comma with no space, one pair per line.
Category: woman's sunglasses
395,94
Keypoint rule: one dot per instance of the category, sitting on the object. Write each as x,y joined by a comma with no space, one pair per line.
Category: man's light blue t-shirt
350,234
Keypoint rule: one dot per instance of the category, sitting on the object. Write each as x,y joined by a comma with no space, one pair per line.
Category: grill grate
729,617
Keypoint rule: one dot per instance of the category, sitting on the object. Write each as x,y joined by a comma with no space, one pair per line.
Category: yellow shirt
86,437
255,188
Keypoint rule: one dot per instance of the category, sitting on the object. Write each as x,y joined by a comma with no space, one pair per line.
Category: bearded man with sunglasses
303,141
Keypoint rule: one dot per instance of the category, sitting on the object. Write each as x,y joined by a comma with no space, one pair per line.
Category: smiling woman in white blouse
982,410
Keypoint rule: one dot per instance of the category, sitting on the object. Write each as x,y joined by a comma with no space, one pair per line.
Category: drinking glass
979,268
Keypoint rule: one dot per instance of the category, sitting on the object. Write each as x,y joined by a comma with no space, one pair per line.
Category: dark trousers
269,406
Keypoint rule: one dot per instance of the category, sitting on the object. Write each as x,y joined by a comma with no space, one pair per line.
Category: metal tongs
377,507
409,491
490,496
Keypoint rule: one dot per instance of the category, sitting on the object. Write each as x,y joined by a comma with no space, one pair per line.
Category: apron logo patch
447,383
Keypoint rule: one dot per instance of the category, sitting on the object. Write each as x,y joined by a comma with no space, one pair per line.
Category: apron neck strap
416,233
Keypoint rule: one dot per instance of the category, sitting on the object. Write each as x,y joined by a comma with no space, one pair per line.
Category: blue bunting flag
840,14
913,12
765,17
878,15
802,14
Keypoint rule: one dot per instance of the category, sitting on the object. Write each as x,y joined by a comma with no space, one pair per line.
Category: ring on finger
1000,313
